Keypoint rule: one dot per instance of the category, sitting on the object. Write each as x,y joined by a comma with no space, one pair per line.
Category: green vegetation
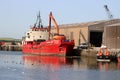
10,40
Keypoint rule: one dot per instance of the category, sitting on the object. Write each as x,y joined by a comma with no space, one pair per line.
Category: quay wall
11,48
93,52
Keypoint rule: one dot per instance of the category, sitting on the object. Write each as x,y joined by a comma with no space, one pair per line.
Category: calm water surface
15,66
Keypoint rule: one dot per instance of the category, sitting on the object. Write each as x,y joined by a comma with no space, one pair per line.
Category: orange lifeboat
59,37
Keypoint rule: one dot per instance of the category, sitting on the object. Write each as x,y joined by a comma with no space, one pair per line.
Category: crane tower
110,16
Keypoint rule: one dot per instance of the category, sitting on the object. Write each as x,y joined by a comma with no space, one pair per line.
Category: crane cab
59,37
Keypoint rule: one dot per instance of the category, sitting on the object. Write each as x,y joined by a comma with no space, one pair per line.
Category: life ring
100,52
106,52
103,51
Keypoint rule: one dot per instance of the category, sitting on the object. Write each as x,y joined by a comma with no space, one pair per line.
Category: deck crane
54,22
57,35
110,16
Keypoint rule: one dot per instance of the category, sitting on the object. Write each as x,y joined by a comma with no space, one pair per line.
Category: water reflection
33,67
118,65
43,67
62,68
88,63
105,66
54,61
75,63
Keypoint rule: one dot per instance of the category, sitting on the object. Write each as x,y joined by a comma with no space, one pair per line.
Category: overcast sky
16,16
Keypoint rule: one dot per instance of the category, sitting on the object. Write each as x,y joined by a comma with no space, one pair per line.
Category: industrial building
96,33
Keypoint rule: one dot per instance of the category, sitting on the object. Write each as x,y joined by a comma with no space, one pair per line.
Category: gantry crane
110,16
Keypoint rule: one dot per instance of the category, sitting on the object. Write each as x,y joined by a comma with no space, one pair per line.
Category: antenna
39,21
110,16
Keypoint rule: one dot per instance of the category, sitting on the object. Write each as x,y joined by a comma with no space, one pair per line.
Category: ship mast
38,23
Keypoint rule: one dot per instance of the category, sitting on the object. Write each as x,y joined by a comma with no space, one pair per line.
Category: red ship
40,40
118,57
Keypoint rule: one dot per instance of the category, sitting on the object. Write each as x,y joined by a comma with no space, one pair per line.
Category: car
83,46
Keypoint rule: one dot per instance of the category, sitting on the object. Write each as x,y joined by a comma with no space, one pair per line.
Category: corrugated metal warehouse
95,33
112,36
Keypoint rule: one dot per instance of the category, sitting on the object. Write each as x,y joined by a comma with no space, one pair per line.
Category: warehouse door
96,38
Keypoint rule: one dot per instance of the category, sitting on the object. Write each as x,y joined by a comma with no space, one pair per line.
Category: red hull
51,47
118,59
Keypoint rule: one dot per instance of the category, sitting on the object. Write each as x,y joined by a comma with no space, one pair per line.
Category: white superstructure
37,34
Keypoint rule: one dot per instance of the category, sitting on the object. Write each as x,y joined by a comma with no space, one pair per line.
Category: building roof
86,24
116,24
